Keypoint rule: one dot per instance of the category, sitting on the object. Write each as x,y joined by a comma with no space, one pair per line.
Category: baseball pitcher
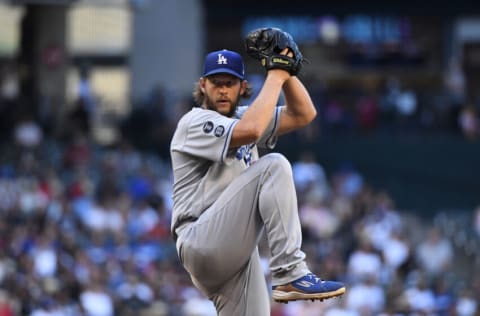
225,196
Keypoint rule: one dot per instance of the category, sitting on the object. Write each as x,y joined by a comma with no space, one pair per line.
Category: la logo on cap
221,60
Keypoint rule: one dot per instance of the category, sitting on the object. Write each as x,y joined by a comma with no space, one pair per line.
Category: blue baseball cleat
308,287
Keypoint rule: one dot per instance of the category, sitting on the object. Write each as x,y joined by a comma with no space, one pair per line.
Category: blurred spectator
336,116
396,252
85,107
28,134
434,254
96,301
309,174
336,311
418,297
455,81
79,119
455,84
381,221
8,188
9,94
95,217
467,304
196,305
9,83
366,296
277,309
141,185
128,158
306,308
469,122
317,218
31,198
7,305
150,124
44,256
7,264
183,105
476,220
160,231
161,120
80,189
347,181
78,153
364,262
388,102
134,294
444,297
367,113
342,206
143,218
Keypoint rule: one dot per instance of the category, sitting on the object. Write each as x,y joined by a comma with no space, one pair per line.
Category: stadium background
388,175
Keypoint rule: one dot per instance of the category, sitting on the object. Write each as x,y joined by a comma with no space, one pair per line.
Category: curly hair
198,95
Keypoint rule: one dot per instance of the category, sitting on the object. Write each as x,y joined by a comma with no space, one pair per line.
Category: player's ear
243,86
201,84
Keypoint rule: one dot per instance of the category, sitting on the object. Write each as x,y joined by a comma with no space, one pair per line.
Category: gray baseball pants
219,250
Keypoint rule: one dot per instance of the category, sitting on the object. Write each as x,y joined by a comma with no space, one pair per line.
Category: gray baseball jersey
202,163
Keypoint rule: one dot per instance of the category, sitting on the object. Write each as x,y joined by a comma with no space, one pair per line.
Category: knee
278,162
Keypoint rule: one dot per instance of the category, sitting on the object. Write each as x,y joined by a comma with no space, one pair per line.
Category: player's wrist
279,75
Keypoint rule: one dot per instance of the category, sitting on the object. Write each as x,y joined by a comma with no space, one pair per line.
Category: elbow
313,114
246,133
310,116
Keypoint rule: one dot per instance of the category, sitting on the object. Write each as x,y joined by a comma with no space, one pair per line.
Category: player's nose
223,90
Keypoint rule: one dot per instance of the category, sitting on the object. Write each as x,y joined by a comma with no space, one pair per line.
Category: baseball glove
265,45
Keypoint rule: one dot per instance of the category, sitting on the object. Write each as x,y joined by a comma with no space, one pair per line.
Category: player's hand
282,73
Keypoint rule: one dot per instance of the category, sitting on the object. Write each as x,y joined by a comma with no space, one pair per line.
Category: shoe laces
313,277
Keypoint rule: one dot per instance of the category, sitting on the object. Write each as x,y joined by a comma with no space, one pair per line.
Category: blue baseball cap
224,61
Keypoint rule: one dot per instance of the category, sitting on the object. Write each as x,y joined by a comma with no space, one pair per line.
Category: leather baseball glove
265,45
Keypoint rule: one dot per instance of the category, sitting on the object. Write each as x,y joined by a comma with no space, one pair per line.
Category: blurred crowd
394,262
390,104
85,231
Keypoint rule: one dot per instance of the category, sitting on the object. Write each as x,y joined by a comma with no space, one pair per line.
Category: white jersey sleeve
205,134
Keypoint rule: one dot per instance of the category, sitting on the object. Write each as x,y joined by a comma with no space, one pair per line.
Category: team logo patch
245,153
219,130
208,127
